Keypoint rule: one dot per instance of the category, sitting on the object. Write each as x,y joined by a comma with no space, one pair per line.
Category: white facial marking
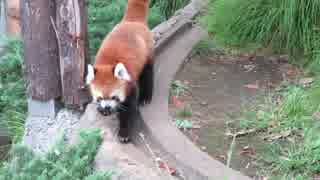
120,93
108,103
90,75
95,92
121,72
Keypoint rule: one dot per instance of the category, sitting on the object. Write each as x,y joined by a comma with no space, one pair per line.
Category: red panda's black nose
106,111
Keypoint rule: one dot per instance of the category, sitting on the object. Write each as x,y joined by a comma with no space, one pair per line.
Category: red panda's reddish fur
130,42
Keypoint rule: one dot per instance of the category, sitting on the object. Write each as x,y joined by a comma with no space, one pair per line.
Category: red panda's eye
115,98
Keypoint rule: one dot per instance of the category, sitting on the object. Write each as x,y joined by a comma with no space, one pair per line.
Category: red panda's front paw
123,136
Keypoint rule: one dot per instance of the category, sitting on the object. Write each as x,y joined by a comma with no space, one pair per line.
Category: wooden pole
40,49
73,45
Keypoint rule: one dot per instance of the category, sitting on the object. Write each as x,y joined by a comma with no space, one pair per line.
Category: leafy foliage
177,88
169,7
13,104
61,163
288,25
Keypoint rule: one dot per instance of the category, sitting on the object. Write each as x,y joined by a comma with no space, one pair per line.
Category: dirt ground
218,88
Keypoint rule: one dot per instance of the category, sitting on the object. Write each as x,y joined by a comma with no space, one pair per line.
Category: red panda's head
108,86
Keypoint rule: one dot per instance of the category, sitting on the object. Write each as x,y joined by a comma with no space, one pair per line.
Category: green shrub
288,25
13,103
169,7
61,163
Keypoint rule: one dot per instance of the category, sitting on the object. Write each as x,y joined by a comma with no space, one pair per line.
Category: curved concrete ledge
192,163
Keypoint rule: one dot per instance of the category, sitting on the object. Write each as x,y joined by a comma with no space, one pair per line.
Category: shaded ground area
218,88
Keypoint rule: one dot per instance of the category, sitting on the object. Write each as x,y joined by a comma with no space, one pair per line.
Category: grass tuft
13,103
289,26
169,7
288,121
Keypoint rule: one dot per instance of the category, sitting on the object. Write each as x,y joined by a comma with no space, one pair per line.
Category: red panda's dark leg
146,84
127,115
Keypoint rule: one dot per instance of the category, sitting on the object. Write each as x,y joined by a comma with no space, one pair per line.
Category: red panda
122,76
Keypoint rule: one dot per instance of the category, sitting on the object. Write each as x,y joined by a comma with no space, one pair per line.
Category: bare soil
219,88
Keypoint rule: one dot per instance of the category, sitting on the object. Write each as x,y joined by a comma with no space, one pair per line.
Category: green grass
61,163
293,132
177,88
204,48
185,112
169,7
289,26
13,104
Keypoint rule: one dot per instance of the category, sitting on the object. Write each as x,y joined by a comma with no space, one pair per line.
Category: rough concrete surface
127,161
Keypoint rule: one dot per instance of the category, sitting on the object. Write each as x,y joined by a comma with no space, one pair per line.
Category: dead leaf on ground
276,136
176,102
252,86
221,157
248,151
316,177
249,68
306,81
165,166
204,103
241,133
316,115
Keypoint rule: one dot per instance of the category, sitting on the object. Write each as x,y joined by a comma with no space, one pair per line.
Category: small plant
62,162
183,124
169,7
177,88
185,112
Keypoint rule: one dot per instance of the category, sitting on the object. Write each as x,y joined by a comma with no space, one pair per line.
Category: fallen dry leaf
165,166
248,151
316,177
221,157
306,81
316,115
176,102
277,136
240,133
249,67
252,86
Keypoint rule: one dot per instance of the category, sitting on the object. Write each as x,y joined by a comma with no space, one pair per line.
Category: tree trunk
73,43
40,49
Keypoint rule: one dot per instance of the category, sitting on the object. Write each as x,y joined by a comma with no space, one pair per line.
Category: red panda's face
108,86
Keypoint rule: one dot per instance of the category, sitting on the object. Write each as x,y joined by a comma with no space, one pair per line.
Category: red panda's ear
90,74
121,72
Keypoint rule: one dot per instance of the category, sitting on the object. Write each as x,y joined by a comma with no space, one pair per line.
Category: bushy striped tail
137,10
